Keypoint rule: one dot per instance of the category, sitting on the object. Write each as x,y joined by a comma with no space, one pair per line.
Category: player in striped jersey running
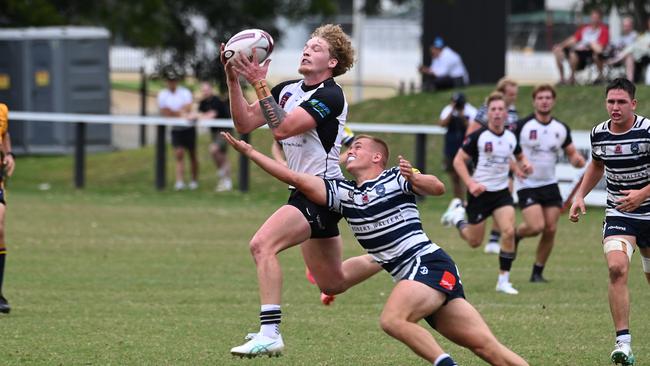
620,148
380,208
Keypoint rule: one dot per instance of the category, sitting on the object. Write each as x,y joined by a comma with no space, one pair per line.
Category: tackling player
380,208
620,147
541,137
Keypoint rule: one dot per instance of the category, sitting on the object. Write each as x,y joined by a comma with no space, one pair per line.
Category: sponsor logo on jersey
603,149
533,135
448,281
381,190
618,149
424,270
351,194
488,146
634,147
616,227
284,99
365,198
319,107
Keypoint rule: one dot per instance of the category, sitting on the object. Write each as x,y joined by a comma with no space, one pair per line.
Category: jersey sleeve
324,104
276,90
567,140
4,120
404,184
594,156
481,115
470,145
332,191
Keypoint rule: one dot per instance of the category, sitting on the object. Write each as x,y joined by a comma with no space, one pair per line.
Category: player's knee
507,233
617,270
389,324
259,247
550,229
332,288
474,242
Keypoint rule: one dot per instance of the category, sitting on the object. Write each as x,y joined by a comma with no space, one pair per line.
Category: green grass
119,273
153,279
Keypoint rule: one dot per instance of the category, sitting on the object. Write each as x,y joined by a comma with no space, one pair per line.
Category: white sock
504,277
625,338
270,312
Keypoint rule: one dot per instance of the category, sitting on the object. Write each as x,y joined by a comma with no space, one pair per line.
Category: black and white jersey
384,218
627,162
491,154
513,117
317,150
542,144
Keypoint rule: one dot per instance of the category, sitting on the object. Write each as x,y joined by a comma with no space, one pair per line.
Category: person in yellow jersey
8,165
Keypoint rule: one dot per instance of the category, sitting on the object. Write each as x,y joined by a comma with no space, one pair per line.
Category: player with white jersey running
490,149
620,149
380,208
542,138
307,117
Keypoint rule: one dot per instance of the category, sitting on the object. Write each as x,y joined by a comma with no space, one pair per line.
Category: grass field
120,274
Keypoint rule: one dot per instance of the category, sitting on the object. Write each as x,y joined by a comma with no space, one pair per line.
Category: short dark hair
623,84
495,95
544,87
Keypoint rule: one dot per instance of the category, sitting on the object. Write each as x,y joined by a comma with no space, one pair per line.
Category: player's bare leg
618,265
533,223
179,157
408,303
285,228
546,243
473,234
462,324
505,218
645,254
4,304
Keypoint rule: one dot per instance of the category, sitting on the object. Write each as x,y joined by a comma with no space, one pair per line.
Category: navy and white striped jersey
317,150
542,143
513,116
627,163
384,218
491,155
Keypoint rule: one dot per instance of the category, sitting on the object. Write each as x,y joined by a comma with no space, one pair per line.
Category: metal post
243,167
421,152
143,105
79,154
161,157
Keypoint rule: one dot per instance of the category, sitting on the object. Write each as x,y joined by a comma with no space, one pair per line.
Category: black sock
506,259
447,361
3,256
495,236
537,269
622,332
461,224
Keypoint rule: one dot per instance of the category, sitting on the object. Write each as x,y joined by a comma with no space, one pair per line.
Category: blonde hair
380,145
494,96
504,83
339,45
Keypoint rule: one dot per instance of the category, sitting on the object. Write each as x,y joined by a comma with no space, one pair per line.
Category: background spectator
635,56
176,101
455,116
585,45
446,70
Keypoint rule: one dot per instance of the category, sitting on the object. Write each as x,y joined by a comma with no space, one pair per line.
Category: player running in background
510,90
541,137
380,208
490,149
8,165
620,147
307,117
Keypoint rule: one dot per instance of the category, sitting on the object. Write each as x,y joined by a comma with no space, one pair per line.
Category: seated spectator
446,70
455,117
635,56
584,46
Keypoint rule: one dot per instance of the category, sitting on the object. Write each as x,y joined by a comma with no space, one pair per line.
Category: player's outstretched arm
311,186
592,176
574,156
423,184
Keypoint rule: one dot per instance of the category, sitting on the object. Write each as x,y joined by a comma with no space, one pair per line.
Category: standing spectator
211,107
455,116
8,165
176,101
446,70
586,44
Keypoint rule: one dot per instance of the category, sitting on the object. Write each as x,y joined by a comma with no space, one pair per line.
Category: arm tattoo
273,114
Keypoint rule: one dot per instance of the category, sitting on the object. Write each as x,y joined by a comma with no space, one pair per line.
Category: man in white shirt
446,70
176,101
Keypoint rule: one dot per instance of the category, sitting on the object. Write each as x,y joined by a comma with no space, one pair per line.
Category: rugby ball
248,40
